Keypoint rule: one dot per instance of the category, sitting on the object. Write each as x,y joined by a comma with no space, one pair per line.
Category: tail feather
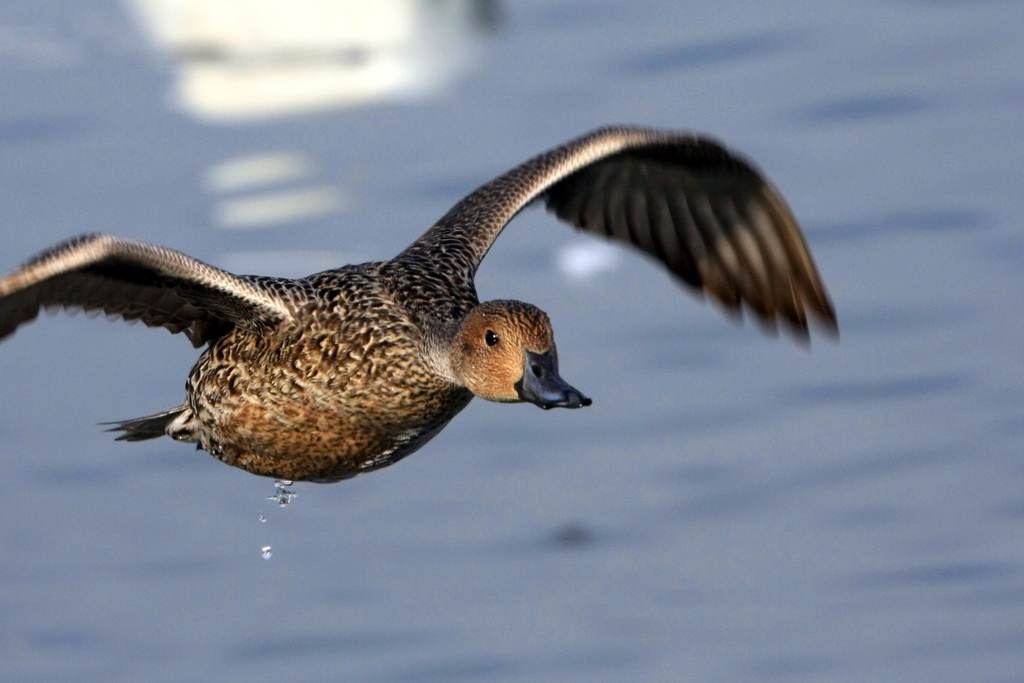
142,428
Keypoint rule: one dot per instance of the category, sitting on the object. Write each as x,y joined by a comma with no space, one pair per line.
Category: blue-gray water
731,508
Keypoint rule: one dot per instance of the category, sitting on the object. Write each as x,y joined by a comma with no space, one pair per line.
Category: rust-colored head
506,352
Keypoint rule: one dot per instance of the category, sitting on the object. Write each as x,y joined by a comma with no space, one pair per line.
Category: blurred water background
731,508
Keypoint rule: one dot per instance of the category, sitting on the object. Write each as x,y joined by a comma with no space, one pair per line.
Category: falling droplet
282,494
267,552
263,520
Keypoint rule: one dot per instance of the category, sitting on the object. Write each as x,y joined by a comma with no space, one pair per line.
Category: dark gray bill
542,385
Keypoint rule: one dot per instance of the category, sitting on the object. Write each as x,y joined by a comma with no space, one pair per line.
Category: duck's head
505,352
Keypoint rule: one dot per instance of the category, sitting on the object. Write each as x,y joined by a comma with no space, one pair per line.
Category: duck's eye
491,338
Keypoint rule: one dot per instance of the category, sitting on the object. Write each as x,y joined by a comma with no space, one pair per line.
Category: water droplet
282,494
267,552
263,520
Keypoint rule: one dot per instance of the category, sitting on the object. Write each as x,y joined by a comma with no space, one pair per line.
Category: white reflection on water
272,206
277,207
255,170
241,60
584,260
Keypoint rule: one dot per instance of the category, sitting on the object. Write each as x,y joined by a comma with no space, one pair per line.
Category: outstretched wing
137,281
704,212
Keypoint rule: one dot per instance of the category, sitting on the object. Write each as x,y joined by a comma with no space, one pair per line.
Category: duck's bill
542,386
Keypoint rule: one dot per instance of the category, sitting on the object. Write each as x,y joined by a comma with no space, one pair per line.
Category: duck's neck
442,350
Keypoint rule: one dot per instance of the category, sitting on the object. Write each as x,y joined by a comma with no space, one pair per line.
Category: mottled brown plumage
349,370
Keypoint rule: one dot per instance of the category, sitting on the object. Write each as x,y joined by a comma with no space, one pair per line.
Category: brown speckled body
341,390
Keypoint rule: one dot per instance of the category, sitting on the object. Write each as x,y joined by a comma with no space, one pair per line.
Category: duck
347,371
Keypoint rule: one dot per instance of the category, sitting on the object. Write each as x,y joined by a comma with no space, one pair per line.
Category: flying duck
346,371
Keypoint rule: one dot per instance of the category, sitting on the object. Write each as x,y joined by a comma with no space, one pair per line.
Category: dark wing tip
709,216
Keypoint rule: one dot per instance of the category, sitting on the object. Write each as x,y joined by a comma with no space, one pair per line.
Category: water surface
731,508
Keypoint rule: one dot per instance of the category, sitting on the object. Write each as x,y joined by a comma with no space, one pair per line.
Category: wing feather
137,281
703,211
